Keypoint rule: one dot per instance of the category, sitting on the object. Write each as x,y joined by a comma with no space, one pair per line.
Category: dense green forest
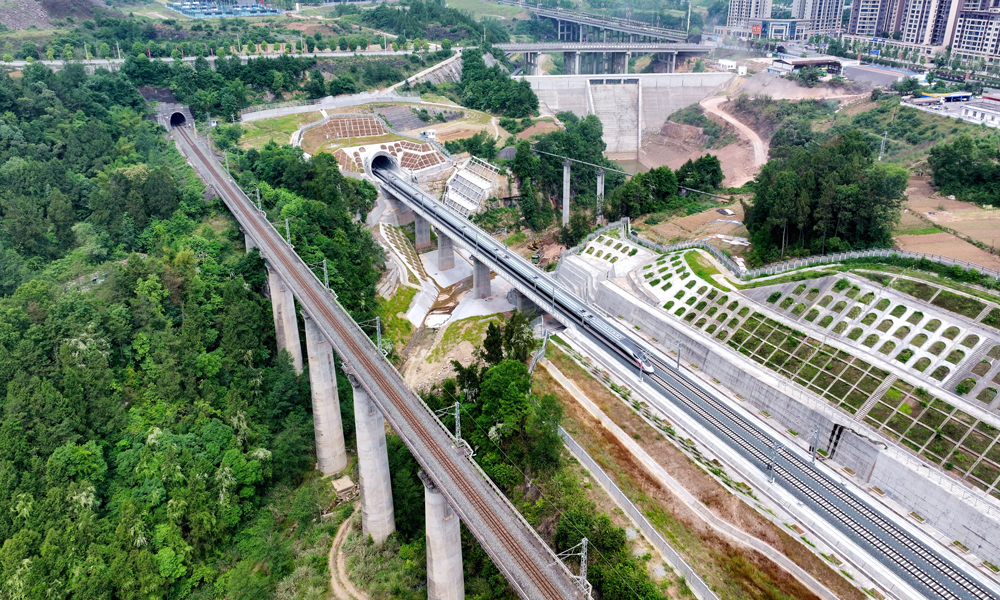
515,434
821,199
147,417
968,168
491,88
433,20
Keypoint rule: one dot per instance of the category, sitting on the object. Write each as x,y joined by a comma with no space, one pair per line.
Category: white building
985,111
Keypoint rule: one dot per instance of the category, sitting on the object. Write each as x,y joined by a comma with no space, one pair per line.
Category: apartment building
752,18
970,27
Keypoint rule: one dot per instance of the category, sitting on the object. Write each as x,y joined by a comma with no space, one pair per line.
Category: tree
492,350
446,45
315,87
580,224
824,198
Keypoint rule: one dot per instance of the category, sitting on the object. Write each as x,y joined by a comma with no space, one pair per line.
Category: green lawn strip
392,312
702,268
918,231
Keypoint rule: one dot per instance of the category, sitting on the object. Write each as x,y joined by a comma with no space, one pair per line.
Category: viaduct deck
637,47
600,21
530,566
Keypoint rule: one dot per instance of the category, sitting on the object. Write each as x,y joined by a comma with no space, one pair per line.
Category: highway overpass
578,26
531,567
602,57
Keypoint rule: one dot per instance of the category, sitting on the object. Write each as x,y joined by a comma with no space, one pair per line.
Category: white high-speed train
386,172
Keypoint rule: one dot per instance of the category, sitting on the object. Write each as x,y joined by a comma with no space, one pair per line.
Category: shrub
786,302
841,285
965,386
905,355
870,340
773,297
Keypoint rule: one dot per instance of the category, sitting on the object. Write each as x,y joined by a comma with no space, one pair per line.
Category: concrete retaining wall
661,93
908,485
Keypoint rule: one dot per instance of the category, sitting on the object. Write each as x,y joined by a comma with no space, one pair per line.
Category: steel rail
526,561
516,268
909,567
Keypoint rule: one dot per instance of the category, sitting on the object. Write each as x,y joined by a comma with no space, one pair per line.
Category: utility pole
583,560
882,150
815,443
326,275
378,329
772,466
288,233
458,422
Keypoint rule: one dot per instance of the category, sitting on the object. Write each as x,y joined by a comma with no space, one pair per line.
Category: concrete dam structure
628,105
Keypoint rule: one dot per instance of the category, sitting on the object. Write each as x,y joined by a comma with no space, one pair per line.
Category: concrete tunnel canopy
381,160
177,119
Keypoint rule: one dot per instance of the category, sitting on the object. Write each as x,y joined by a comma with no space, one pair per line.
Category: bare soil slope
675,144
785,89
21,14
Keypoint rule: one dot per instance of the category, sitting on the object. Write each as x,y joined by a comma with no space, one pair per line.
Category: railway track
542,580
894,548
840,508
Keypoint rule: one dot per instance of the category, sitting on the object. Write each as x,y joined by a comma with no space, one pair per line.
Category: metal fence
791,265
728,262
621,223
337,102
694,581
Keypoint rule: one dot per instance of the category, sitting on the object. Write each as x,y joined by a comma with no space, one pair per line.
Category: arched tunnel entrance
383,161
177,119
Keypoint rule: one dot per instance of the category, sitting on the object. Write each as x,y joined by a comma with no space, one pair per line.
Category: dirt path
340,583
759,148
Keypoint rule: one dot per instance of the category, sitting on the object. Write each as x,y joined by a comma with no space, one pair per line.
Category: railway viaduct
456,489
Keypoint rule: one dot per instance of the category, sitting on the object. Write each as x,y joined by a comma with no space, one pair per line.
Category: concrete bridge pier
571,63
619,62
331,452
480,279
249,242
445,578
523,303
446,252
404,215
600,193
565,206
373,466
286,326
422,229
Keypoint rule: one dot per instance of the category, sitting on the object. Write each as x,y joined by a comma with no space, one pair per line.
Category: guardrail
694,581
623,222
331,101
791,265
440,148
